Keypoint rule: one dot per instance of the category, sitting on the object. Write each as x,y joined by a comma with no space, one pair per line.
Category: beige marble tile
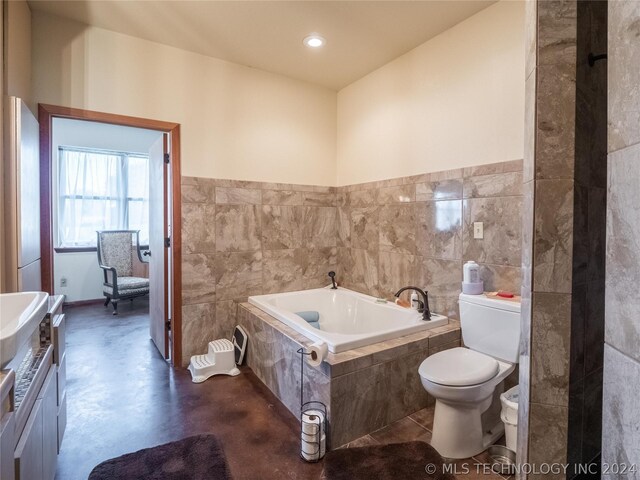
397,228
547,437
530,35
237,228
365,227
316,263
501,277
360,269
502,242
198,327
496,185
281,271
319,226
238,275
623,76
238,196
491,168
439,229
557,23
225,319
343,227
319,199
198,228
555,117
550,346
197,190
281,227
553,241
439,190
396,194
362,198
403,430
281,197
395,270
622,299
198,281
528,164
442,279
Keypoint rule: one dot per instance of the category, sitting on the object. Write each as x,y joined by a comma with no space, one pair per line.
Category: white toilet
467,382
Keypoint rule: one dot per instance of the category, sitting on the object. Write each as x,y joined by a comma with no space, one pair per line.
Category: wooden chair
117,250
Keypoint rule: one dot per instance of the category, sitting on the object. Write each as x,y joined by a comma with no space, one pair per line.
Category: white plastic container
414,301
471,272
509,416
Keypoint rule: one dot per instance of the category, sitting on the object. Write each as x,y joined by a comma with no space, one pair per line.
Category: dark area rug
193,458
414,460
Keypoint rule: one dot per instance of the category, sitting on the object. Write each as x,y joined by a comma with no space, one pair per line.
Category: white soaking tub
348,319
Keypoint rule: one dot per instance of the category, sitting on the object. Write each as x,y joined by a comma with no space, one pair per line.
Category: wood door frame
46,114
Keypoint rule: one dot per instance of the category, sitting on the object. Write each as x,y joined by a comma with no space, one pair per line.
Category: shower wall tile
315,264
237,228
198,329
553,240
395,270
501,277
547,438
442,279
439,229
198,190
319,199
557,32
550,348
624,77
362,198
396,194
343,227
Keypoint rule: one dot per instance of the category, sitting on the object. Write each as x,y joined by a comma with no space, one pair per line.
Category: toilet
467,381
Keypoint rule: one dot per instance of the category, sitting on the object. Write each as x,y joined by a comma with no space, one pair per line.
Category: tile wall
563,235
621,436
248,238
419,230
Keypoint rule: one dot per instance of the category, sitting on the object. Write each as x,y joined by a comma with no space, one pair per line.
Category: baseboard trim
80,303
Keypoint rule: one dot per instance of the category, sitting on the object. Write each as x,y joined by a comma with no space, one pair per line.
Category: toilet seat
459,367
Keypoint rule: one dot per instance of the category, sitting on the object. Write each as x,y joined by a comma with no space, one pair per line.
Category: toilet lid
458,367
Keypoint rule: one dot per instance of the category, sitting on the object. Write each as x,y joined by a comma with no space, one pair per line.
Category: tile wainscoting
244,238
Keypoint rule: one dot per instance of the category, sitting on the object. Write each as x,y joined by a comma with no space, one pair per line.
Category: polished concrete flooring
122,397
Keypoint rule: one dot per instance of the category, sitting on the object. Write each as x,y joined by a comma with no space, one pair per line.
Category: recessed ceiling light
314,41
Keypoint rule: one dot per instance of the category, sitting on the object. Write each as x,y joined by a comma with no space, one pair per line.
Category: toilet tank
491,326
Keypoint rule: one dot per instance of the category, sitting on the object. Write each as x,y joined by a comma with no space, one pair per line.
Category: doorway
143,194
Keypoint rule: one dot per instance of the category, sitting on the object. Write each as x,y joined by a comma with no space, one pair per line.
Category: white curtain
100,191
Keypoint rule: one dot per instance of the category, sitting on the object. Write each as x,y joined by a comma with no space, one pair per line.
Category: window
101,190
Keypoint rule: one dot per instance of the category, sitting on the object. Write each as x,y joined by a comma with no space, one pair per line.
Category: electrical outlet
478,230
63,282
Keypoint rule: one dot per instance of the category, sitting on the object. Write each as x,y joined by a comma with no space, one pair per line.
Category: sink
20,315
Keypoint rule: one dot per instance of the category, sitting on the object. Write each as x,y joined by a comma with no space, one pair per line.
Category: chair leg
115,306
106,302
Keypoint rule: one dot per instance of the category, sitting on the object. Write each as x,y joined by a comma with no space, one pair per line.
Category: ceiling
361,35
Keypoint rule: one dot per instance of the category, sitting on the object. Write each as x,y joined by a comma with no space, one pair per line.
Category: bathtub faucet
423,306
333,280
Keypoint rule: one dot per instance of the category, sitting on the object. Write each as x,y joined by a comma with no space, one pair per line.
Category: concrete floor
122,396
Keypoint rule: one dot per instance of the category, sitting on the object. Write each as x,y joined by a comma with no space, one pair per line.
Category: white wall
18,51
454,101
84,278
237,122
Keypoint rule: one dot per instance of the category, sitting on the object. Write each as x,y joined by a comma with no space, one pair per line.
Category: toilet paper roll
318,352
312,451
312,423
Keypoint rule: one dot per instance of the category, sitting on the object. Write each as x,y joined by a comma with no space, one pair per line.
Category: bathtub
348,319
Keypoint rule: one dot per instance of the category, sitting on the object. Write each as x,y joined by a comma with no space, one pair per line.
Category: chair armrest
114,274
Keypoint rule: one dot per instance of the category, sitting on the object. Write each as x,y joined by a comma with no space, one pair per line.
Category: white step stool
219,360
